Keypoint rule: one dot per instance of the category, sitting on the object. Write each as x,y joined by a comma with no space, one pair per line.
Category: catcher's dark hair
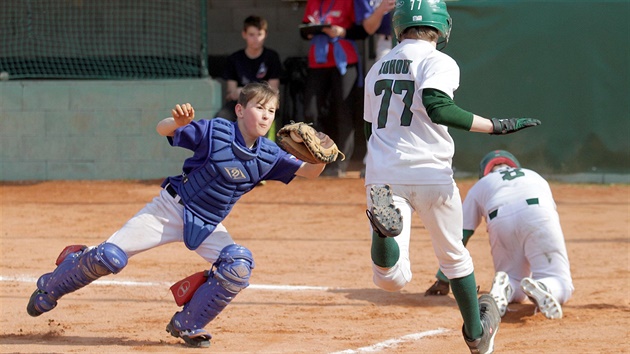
261,91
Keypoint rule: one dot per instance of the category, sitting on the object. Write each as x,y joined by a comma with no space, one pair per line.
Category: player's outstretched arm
442,110
180,116
501,126
310,170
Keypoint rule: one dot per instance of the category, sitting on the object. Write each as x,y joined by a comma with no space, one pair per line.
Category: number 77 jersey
405,146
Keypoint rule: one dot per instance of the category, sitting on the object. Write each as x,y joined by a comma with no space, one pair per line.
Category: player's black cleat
193,338
384,215
490,319
440,287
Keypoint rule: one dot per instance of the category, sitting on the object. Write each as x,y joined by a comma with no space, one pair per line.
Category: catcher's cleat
39,303
490,319
384,215
440,287
501,291
539,295
197,338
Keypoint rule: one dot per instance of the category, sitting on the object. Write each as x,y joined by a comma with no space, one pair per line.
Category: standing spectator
408,110
334,68
383,36
255,63
382,19
526,239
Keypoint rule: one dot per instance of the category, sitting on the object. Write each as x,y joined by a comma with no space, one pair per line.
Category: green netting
97,39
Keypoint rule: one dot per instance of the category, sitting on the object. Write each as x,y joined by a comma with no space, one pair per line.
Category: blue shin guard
74,272
229,276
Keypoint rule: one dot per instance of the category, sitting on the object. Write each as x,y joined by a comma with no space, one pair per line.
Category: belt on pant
493,214
170,190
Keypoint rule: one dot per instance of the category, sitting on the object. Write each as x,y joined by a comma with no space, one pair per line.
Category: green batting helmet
494,158
432,13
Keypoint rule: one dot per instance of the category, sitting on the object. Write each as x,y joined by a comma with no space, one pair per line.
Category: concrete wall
94,129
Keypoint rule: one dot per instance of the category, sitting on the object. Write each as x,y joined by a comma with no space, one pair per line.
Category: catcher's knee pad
75,271
229,276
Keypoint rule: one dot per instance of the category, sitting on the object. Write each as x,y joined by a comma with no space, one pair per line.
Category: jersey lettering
387,88
511,174
395,66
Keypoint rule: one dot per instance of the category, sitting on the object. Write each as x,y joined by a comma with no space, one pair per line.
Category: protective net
103,39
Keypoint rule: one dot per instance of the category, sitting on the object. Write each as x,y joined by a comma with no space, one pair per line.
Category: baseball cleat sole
501,291
546,303
384,215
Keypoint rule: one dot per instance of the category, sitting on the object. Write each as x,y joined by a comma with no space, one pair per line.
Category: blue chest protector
210,191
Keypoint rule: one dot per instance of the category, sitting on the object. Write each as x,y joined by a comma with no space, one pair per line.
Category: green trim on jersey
442,110
467,235
367,129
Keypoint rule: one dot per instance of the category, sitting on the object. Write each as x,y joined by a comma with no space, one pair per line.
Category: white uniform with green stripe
524,229
405,146
414,155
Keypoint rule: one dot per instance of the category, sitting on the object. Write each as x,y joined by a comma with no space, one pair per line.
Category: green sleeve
466,236
367,130
442,110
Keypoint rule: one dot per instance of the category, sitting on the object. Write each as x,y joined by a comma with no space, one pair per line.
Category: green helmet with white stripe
432,13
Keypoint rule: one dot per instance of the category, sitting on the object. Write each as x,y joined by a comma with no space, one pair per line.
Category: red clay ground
344,312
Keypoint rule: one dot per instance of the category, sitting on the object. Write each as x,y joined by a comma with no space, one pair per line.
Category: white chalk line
373,348
29,279
394,342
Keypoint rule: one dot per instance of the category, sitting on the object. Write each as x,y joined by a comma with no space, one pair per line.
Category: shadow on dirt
53,338
385,298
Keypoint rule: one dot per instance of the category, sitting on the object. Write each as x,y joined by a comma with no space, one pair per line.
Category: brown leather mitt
304,142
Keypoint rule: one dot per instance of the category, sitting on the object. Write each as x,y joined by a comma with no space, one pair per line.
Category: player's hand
183,114
511,125
440,287
386,6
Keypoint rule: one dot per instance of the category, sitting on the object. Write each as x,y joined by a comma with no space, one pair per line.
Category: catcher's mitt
307,144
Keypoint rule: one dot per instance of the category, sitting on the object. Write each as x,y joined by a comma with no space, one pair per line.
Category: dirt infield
311,290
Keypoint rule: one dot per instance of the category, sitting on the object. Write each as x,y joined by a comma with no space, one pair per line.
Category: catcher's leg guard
230,275
75,271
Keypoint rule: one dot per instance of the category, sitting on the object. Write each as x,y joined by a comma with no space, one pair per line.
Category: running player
408,107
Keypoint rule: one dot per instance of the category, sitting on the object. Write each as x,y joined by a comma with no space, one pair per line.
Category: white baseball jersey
524,229
413,155
504,187
405,147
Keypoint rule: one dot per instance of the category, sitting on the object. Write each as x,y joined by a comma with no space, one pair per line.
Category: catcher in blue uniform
229,159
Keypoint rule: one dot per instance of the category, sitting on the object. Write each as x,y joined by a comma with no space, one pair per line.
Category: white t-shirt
405,147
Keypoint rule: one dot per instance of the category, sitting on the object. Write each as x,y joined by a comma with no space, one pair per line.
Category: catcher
229,159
